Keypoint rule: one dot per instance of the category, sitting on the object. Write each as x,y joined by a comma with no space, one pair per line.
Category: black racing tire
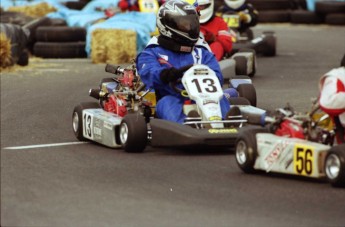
241,65
247,91
246,148
77,118
252,74
335,19
23,59
57,22
133,133
270,44
274,16
306,17
263,5
60,50
301,4
238,101
77,5
327,7
335,166
33,25
60,34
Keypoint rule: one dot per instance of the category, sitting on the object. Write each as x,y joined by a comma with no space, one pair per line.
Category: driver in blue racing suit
167,56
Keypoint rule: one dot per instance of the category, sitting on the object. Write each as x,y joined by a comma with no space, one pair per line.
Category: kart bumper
166,133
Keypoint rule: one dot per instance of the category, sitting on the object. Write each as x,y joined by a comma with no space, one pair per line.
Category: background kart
264,45
124,116
291,146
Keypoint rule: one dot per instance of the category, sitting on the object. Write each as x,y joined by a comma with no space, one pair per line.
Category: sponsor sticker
215,118
222,130
273,156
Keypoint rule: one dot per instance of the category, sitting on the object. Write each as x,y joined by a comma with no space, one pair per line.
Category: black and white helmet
179,21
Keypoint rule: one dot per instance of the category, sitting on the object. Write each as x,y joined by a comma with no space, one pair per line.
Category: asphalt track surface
91,185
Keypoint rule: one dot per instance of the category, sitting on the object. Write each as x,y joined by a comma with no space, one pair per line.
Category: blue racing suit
154,58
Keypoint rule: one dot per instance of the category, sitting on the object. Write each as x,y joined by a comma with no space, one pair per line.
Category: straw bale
113,46
36,10
5,51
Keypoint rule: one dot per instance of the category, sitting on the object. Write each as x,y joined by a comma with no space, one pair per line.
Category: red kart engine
118,95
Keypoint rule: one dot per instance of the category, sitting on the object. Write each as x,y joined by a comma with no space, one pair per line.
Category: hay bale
36,10
5,51
113,46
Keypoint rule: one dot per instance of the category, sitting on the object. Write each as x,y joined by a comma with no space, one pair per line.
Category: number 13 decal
207,84
87,126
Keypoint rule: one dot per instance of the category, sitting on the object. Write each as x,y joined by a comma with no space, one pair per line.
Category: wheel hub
75,121
123,133
241,152
333,166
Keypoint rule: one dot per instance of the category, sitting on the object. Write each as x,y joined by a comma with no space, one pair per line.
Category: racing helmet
206,10
179,21
234,4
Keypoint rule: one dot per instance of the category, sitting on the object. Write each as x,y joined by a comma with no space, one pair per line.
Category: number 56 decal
303,159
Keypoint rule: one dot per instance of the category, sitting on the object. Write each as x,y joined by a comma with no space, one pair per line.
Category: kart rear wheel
253,68
241,65
247,91
77,118
133,133
335,166
246,148
270,44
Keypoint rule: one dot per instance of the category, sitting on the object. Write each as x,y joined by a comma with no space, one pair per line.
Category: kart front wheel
133,133
246,148
335,166
77,118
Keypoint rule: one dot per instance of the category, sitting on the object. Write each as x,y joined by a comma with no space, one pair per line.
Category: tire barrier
296,11
60,42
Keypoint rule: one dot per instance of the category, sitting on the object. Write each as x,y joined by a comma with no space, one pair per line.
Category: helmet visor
187,24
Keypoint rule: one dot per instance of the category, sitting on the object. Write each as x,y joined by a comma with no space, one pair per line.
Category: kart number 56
303,159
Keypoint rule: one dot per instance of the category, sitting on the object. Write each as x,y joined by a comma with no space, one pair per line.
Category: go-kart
294,144
233,78
265,44
124,117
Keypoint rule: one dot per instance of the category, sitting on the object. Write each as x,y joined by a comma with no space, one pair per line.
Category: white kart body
290,155
228,66
100,126
203,86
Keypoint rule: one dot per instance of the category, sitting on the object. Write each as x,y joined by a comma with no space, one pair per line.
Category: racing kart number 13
303,159
87,126
204,85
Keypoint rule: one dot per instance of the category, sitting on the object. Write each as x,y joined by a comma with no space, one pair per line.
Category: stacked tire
328,12
333,12
273,11
60,42
295,11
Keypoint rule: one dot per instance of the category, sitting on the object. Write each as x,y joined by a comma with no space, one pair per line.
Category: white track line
43,145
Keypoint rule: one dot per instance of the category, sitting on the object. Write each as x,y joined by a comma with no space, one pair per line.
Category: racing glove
172,74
